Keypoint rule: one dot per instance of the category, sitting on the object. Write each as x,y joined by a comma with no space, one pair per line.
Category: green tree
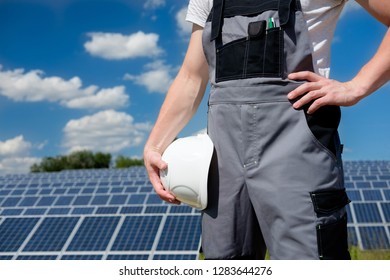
124,162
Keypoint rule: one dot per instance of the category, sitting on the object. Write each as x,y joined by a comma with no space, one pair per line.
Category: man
276,182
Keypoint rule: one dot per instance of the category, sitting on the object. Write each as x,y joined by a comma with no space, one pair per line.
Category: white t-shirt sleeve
198,11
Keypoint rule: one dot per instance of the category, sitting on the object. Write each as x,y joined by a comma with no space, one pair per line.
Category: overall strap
230,8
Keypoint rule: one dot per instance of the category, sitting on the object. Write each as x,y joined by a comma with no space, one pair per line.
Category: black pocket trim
333,240
326,202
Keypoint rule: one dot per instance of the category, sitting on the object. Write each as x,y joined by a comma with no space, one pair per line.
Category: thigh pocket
257,55
332,236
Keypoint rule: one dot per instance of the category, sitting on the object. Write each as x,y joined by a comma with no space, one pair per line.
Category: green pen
271,23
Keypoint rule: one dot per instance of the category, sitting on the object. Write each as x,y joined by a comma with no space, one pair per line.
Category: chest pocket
257,29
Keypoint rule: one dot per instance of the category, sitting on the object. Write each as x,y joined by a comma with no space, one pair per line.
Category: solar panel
127,257
370,195
118,211
81,257
137,233
386,211
94,234
175,257
367,213
374,238
13,232
180,233
51,234
37,257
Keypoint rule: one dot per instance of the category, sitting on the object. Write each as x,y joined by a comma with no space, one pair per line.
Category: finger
303,89
305,75
307,98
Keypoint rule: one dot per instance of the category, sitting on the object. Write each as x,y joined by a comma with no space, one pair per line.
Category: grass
356,254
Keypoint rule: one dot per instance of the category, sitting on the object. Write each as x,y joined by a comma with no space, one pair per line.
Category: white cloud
14,156
17,165
157,78
14,147
106,98
184,26
33,86
153,4
115,46
106,131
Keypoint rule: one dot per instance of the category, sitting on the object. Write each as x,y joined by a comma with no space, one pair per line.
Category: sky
92,74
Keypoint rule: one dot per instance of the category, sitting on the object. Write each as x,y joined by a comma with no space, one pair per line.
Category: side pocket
323,125
332,240
332,234
327,202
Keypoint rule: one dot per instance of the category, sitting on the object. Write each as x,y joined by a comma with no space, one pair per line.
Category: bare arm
371,76
182,101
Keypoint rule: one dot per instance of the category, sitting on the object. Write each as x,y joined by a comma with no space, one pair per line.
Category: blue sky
92,74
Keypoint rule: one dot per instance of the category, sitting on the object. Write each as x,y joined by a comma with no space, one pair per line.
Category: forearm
182,101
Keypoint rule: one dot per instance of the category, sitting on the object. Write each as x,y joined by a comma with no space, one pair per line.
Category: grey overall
276,180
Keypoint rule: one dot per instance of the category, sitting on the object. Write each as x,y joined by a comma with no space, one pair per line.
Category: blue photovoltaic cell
127,257
131,189
354,195
117,190
156,209
154,199
13,231
175,257
35,211
46,201
100,200
137,199
102,190
180,209
3,258
363,185
137,233
349,185
32,192
180,233
11,201
64,200
374,238
59,211
82,200
28,201
367,213
74,191
37,257
352,236
132,209
17,192
45,191
94,234
107,210
51,234
380,184
81,257
59,191
118,199
83,210
386,211
12,211
386,194
88,190
372,195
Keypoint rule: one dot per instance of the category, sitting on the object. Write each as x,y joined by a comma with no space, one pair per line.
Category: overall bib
276,180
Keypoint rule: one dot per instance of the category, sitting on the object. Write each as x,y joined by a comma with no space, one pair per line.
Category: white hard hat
188,162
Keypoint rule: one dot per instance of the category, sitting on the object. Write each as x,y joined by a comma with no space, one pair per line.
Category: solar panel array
116,215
